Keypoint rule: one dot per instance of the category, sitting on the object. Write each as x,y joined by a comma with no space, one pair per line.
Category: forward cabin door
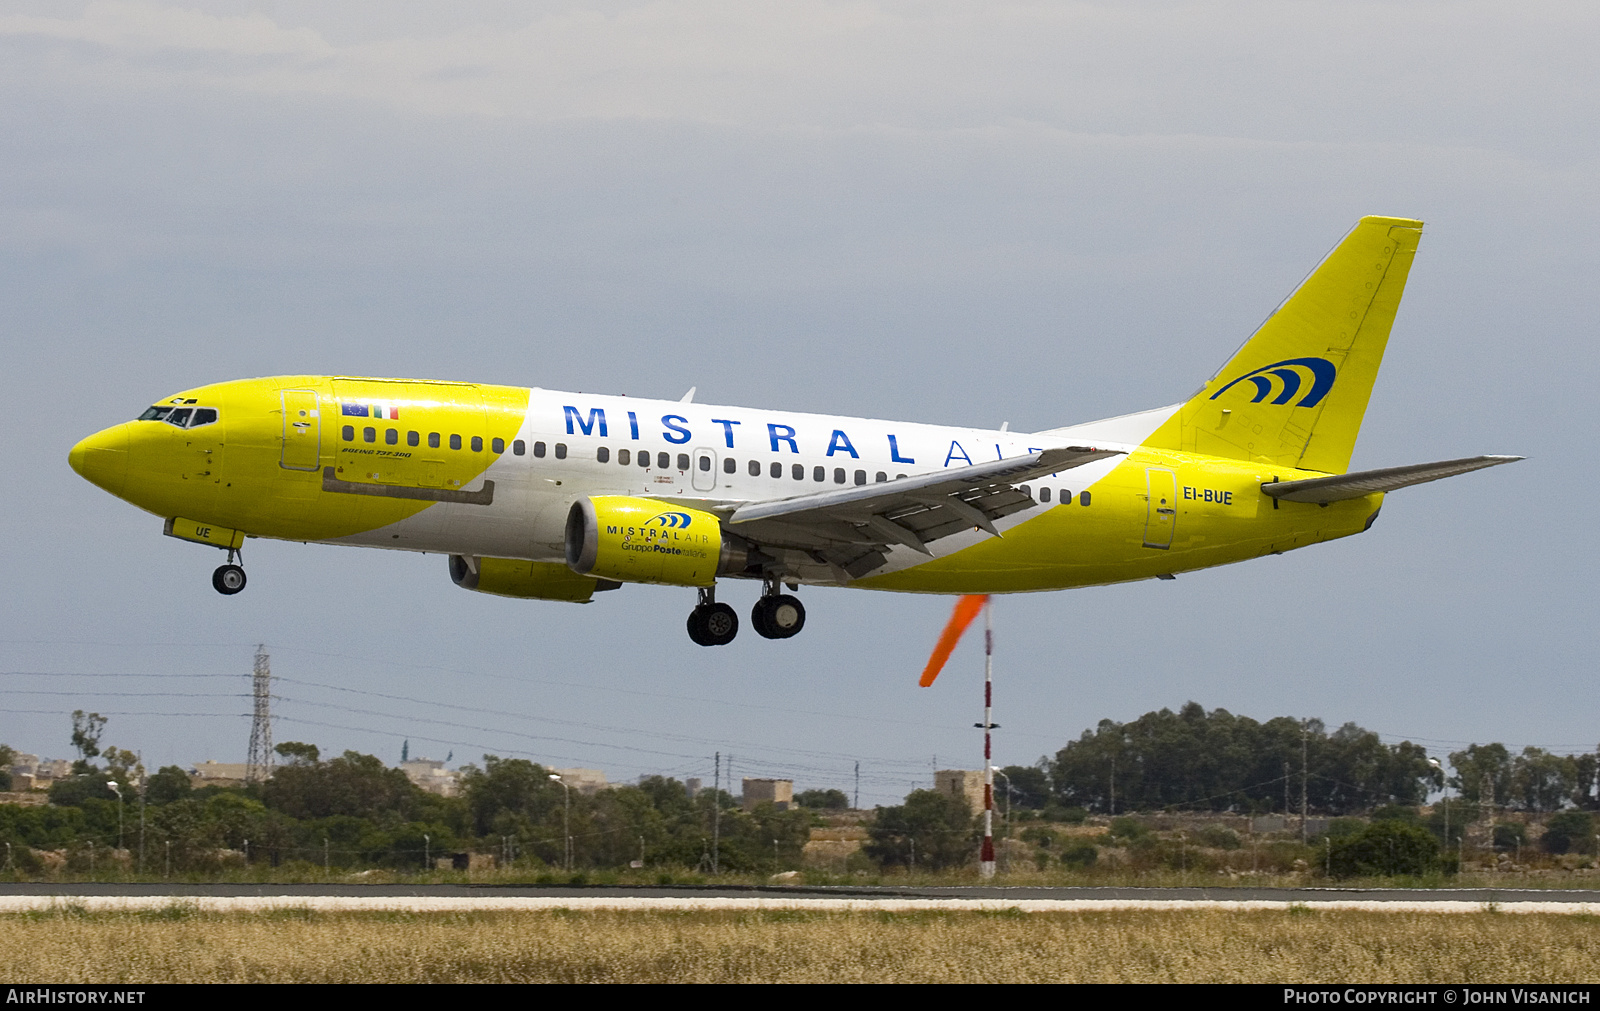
302,431
1161,515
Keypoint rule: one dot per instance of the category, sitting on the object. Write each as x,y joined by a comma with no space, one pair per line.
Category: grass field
180,944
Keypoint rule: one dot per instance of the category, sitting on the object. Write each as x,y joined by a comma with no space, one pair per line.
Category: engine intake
640,540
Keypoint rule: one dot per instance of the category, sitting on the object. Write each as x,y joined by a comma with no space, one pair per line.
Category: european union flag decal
353,410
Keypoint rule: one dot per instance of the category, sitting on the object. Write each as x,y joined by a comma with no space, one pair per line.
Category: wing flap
1337,488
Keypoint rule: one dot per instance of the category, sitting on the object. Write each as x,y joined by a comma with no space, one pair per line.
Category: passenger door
1161,514
302,431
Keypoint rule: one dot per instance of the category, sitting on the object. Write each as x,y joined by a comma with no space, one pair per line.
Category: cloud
1484,73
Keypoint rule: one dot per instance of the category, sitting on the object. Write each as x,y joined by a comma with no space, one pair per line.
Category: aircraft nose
102,458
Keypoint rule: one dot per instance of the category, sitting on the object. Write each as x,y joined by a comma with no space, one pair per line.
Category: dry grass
179,944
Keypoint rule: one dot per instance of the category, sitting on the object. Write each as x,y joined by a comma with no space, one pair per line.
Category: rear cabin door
302,431
1161,516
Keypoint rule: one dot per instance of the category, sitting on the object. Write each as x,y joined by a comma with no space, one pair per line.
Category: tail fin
1295,393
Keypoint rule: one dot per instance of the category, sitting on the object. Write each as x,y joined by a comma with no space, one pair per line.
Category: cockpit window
182,417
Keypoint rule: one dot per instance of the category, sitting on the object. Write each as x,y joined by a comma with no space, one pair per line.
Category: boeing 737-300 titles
557,496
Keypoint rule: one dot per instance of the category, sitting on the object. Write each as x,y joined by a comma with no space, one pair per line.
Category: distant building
961,783
693,787
586,781
778,792
214,773
431,775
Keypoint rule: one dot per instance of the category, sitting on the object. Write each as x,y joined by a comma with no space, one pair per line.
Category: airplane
548,495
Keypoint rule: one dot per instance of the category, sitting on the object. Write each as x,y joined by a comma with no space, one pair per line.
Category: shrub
1384,848
1080,853
1218,837
1509,835
1569,832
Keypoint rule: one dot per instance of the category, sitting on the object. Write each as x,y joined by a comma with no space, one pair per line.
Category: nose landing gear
228,579
711,623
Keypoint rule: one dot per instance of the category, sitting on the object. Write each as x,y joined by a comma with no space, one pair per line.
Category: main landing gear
229,578
776,616
711,623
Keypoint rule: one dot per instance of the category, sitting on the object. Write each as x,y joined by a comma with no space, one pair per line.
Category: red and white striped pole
986,855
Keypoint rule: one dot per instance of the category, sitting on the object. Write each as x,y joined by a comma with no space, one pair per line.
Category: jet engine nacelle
512,577
640,540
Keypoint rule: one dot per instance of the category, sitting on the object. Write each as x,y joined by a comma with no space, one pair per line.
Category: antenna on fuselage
688,398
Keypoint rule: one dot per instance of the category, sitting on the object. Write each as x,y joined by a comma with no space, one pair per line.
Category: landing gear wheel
228,579
713,625
778,617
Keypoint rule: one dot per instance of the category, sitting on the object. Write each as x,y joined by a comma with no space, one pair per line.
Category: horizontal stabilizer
1322,490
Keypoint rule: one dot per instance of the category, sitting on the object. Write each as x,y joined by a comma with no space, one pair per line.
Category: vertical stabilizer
1295,393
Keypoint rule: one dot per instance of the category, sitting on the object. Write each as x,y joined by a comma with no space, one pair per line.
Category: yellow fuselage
492,472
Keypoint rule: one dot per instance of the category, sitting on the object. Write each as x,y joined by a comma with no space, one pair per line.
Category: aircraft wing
851,528
1322,490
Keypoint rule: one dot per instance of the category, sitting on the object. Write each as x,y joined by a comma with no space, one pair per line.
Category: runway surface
423,898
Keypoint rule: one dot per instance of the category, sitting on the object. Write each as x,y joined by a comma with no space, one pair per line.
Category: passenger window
705,463
683,461
880,477
1027,491
519,448
391,437
538,450
755,468
369,434
180,417
777,469
412,438
1044,494
455,442
477,443
861,477
644,458
838,475
899,477
798,472
1066,496
603,455
624,457
819,474
1083,499
204,416
433,440
730,465
498,445
663,461
561,451
349,433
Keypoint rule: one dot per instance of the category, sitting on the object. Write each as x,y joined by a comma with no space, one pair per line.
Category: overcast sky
1041,213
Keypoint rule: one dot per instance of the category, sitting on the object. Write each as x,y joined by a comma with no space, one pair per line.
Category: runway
446,898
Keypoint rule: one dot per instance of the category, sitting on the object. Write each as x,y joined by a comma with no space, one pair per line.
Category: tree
823,800
353,784
930,829
8,755
86,731
296,753
1384,848
170,783
1028,785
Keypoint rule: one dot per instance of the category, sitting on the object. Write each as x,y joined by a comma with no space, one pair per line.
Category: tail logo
1288,376
671,521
